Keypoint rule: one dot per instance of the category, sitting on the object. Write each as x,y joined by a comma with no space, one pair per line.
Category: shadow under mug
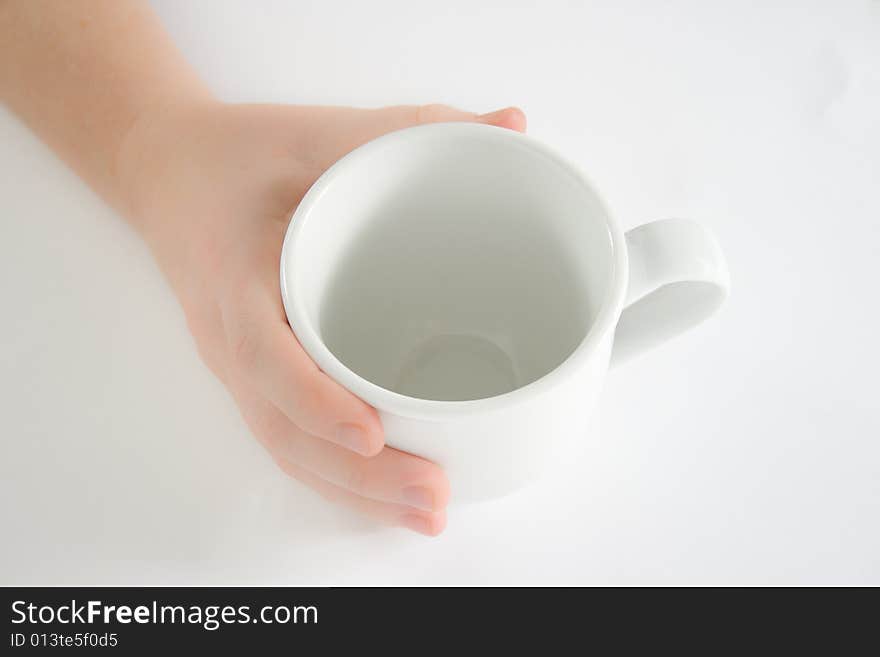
468,283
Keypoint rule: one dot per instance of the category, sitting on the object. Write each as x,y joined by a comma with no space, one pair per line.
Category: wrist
149,148
155,158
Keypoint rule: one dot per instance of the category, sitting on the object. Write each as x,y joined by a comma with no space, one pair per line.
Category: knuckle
246,349
271,427
211,356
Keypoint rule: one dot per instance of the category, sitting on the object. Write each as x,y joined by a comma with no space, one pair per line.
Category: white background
744,452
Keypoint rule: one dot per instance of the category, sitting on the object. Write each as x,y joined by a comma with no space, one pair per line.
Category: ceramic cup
471,285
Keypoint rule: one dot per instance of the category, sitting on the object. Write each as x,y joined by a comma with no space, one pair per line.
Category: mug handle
677,278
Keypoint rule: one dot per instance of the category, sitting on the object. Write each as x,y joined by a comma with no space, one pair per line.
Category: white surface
747,451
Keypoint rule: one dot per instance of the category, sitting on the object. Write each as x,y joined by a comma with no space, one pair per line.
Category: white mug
471,285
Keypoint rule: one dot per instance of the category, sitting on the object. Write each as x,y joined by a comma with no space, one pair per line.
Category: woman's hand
212,188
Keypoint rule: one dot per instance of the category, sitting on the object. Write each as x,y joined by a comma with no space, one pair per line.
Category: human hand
212,188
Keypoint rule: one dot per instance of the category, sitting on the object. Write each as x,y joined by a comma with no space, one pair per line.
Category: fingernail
417,524
419,497
511,118
353,437
491,116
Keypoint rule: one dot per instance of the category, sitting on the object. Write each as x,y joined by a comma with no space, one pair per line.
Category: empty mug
471,285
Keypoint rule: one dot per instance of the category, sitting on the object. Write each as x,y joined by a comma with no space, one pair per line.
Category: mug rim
385,400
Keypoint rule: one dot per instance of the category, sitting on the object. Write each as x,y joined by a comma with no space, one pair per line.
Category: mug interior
452,264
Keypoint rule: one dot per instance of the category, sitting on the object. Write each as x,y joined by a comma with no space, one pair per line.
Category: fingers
267,356
512,118
393,487
324,134
423,522
405,116
390,476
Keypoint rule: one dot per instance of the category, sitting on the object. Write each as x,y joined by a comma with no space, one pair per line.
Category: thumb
405,116
334,131
512,118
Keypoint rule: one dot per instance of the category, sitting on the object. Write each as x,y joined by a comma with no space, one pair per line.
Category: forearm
83,73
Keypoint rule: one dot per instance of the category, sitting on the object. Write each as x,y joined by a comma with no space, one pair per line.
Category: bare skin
211,186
